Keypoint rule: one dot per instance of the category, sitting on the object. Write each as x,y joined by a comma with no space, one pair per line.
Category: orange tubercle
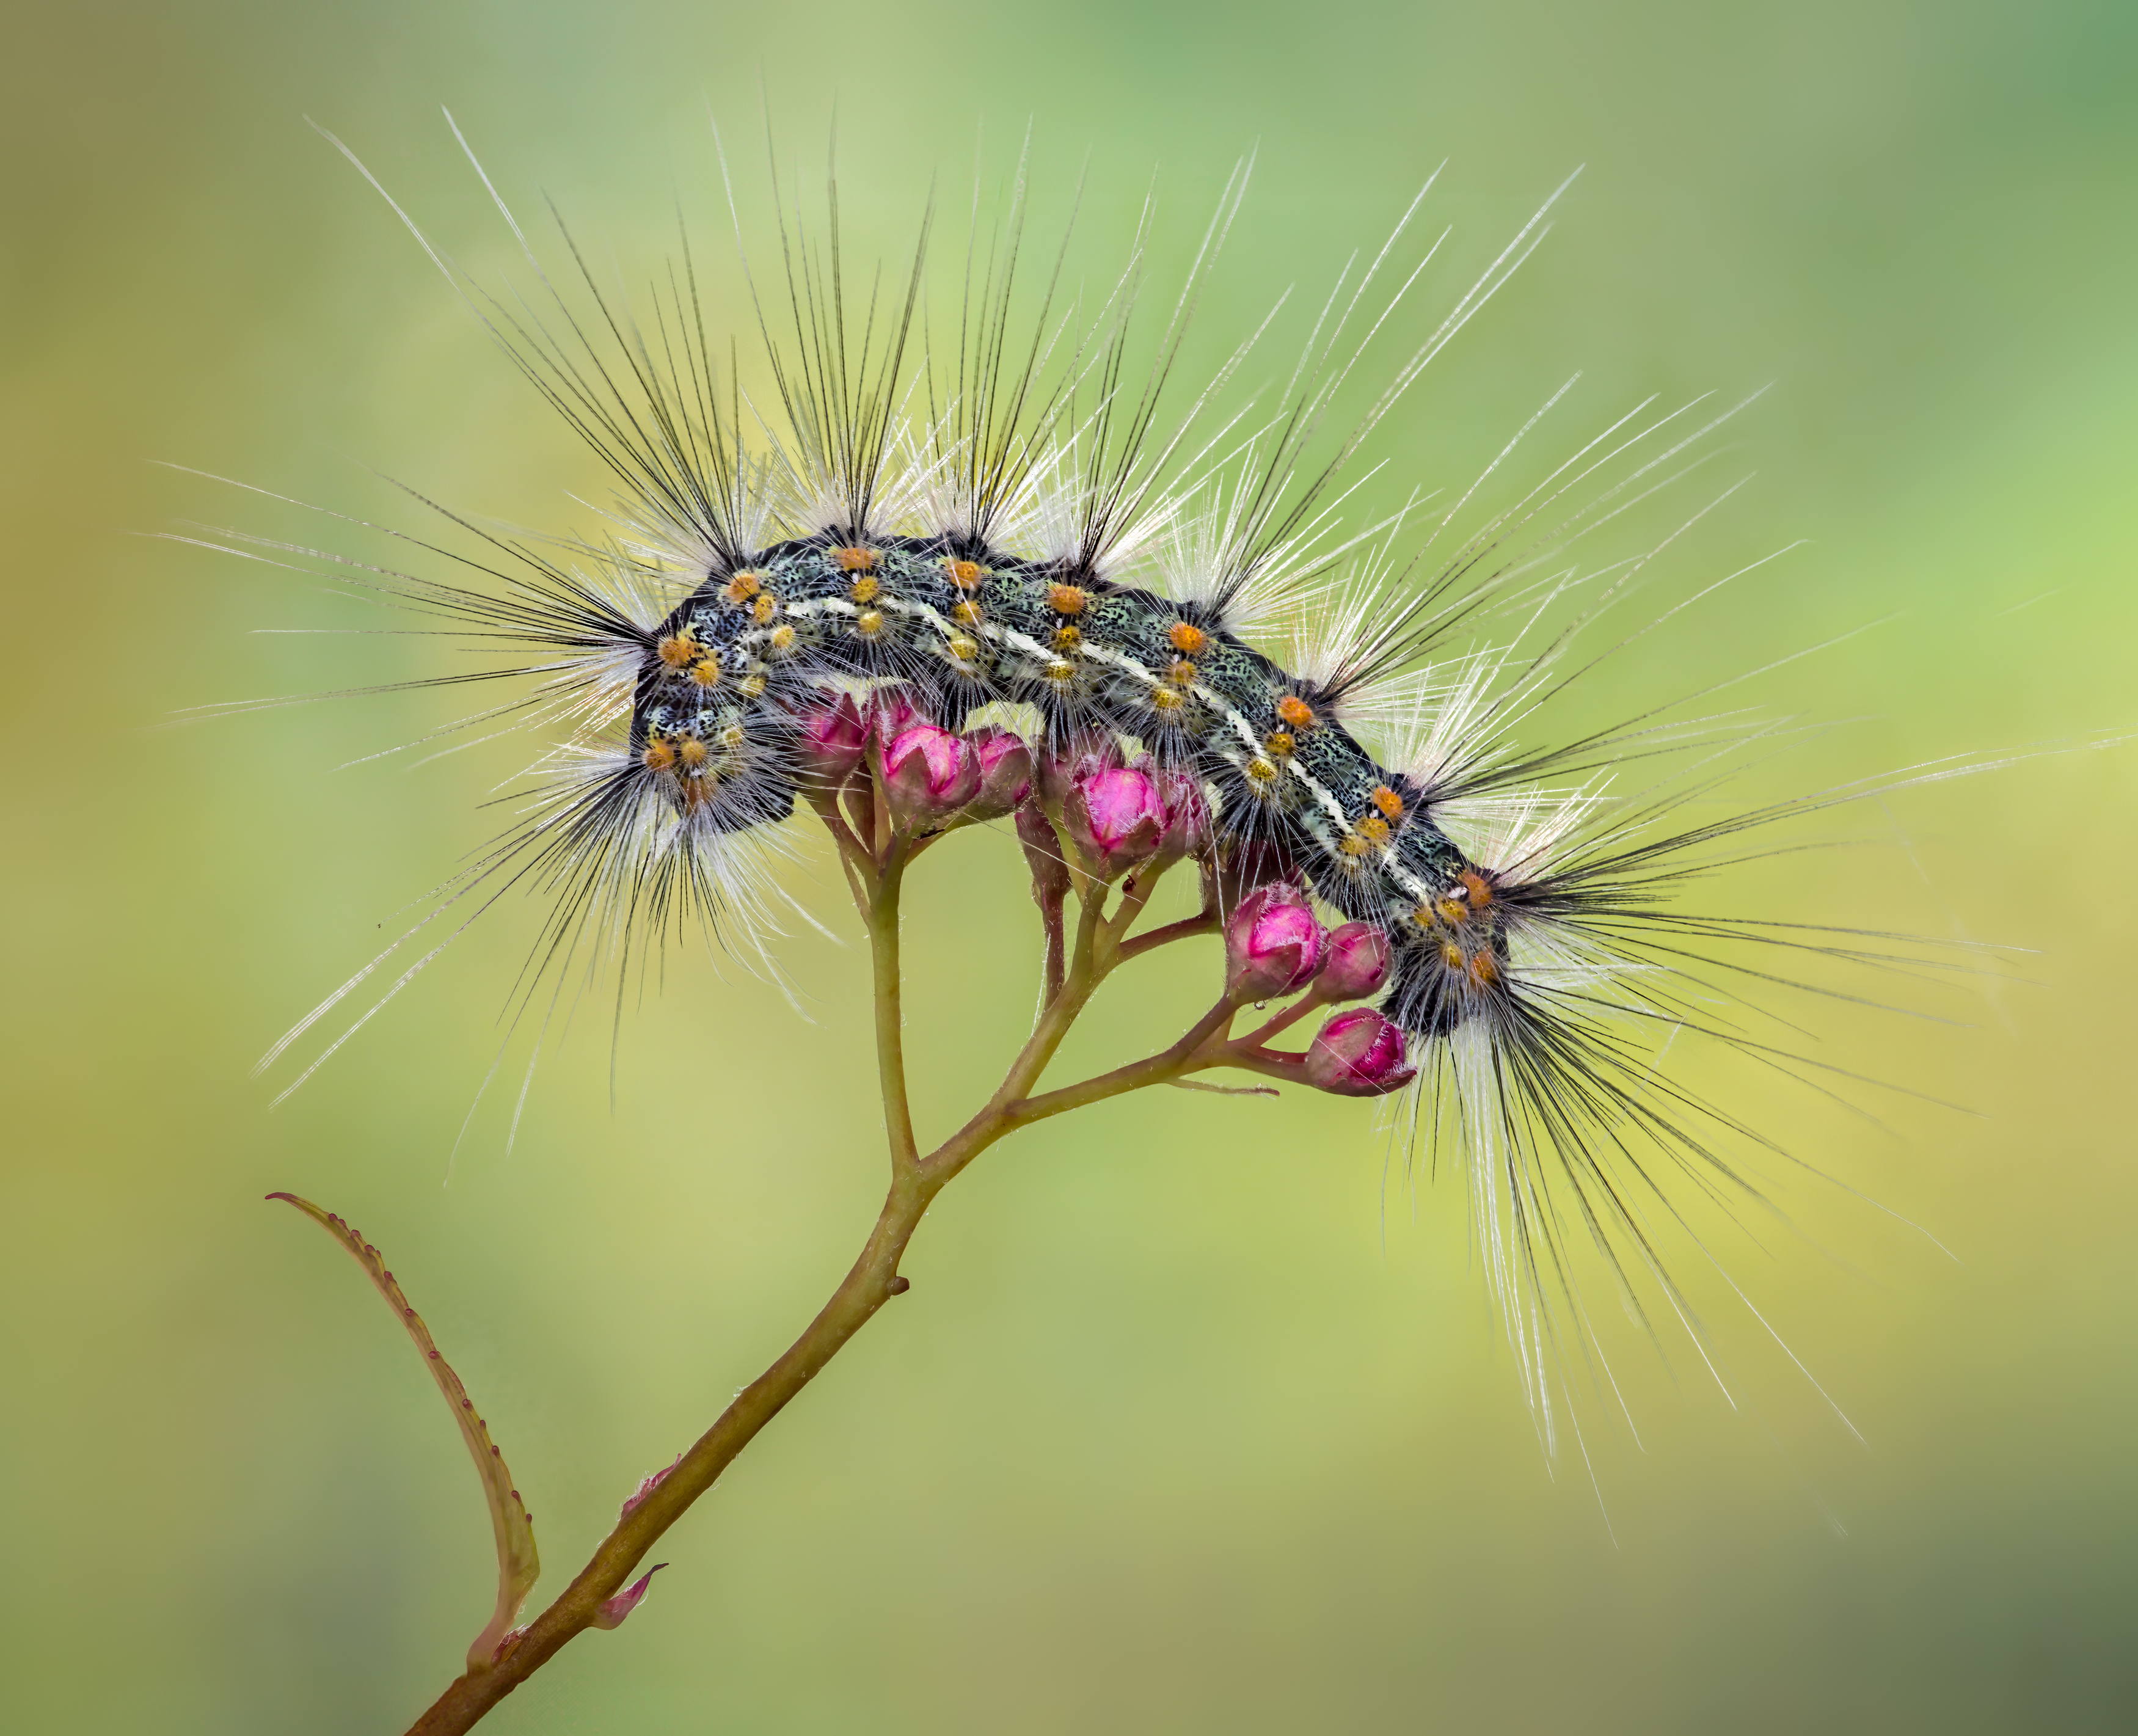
1066,599
659,755
965,575
854,558
1390,804
1295,712
1478,886
677,650
1188,639
742,586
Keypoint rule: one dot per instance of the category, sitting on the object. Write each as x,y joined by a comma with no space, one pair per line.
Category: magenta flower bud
928,775
1005,774
1358,1053
1188,829
1113,819
1059,764
833,734
1273,945
890,712
1357,963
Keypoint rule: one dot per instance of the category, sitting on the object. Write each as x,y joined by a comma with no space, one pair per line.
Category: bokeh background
1196,1418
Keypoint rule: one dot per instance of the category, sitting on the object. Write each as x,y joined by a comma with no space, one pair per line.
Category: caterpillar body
967,625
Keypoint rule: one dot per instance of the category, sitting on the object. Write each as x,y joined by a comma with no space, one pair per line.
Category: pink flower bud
1358,1053
1005,774
1187,831
1042,853
1113,819
833,734
928,775
1357,963
1060,763
1273,945
890,712
612,1613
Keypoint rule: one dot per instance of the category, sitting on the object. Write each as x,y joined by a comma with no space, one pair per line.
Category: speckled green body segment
962,626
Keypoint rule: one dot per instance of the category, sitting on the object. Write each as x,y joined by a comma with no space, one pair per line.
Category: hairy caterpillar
964,624
1007,523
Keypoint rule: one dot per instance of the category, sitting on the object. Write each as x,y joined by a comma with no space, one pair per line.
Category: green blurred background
1195,1419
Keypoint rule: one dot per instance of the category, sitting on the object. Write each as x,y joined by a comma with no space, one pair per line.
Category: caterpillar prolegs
964,624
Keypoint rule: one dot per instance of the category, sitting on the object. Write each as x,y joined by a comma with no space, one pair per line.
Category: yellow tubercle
869,623
705,672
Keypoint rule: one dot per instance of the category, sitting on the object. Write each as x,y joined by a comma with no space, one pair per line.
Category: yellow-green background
1183,1427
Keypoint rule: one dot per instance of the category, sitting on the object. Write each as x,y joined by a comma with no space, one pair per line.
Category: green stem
890,1014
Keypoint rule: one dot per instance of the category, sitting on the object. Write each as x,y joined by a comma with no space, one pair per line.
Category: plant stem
1097,947
890,1014
867,1287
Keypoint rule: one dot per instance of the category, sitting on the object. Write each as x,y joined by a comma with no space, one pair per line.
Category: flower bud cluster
1275,946
1087,815
931,779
